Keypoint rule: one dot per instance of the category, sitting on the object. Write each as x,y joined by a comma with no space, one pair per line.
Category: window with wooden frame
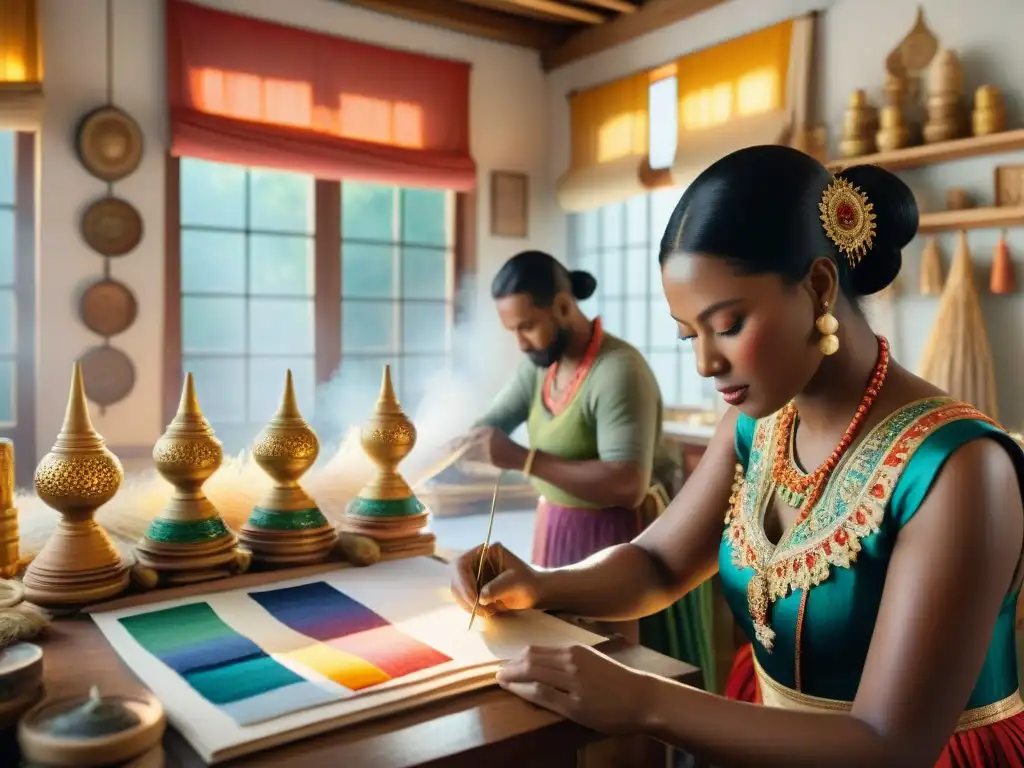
17,297
268,270
619,242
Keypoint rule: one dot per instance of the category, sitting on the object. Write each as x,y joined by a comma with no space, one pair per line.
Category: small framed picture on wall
509,204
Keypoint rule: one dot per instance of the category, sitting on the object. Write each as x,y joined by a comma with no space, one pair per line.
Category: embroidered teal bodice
840,554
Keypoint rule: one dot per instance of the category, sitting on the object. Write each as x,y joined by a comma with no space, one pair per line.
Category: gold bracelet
529,461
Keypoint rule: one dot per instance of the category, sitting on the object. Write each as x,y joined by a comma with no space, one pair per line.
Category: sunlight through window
287,102
757,92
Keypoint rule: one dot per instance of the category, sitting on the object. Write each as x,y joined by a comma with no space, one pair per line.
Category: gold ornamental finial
288,411
188,541
286,527
386,508
189,419
79,564
77,434
387,401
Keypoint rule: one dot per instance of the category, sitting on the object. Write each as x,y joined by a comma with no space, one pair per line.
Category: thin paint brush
484,550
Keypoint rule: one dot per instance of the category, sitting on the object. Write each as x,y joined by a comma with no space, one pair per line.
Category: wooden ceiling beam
569,12
471,20
653,15
619,6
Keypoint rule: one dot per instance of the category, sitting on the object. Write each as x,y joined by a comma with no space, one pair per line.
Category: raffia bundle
931,268
957,355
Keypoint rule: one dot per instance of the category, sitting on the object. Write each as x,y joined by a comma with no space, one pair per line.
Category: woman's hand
509,584
581,684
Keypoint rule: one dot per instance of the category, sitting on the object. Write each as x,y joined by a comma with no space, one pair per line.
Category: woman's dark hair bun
583,284
896,224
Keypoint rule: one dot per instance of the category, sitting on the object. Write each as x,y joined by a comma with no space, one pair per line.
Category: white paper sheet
413,594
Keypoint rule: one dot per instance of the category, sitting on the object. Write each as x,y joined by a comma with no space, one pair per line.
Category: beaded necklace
800,490
556,403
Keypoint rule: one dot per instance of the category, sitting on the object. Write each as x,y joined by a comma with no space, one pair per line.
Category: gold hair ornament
848,218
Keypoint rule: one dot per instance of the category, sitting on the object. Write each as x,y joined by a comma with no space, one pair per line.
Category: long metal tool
484,550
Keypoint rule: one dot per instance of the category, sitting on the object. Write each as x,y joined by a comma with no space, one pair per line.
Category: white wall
854,38
508,131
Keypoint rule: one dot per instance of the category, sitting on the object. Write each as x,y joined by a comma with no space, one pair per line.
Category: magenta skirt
567,535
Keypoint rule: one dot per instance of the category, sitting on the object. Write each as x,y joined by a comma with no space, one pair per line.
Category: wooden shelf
971,218
942,152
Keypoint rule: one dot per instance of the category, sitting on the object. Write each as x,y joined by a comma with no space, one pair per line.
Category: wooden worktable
487,727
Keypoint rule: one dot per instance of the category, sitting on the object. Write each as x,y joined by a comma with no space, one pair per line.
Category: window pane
612,281
424,327
367,326
281,202
8,406
636,313
281,327
213,324
664,330
281,265
663,202
425,218
212,262
613,219
212,194
8,322
587,229
6,246
220,387
367,271
663,122
612,316
266,385
638,262
424,273
636,220
367,212
418,373
666,370
364,374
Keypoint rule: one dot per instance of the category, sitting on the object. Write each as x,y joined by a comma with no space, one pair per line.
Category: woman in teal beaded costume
867,528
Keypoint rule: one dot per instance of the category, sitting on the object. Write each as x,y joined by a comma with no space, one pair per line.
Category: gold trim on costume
774,694
830,537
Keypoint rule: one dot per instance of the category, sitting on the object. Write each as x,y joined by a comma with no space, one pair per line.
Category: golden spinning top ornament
79,564
188,541
287,527
386,509
848,218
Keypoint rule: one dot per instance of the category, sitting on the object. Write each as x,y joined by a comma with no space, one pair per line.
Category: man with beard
593,412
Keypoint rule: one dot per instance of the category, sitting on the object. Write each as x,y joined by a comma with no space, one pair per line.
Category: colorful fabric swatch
357,648
222,665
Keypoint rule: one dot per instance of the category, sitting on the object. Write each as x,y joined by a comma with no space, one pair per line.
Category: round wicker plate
112,227
108,375
109,143
108,307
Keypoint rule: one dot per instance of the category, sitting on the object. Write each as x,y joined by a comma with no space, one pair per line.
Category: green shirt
616,415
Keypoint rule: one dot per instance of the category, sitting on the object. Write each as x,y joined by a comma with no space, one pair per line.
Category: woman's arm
951,569
674,555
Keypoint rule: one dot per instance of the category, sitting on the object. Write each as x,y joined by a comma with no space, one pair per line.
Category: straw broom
957,356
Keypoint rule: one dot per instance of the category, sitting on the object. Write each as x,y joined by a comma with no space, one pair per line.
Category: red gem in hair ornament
848,218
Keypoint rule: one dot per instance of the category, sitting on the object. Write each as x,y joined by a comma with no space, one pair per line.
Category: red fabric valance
253,93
